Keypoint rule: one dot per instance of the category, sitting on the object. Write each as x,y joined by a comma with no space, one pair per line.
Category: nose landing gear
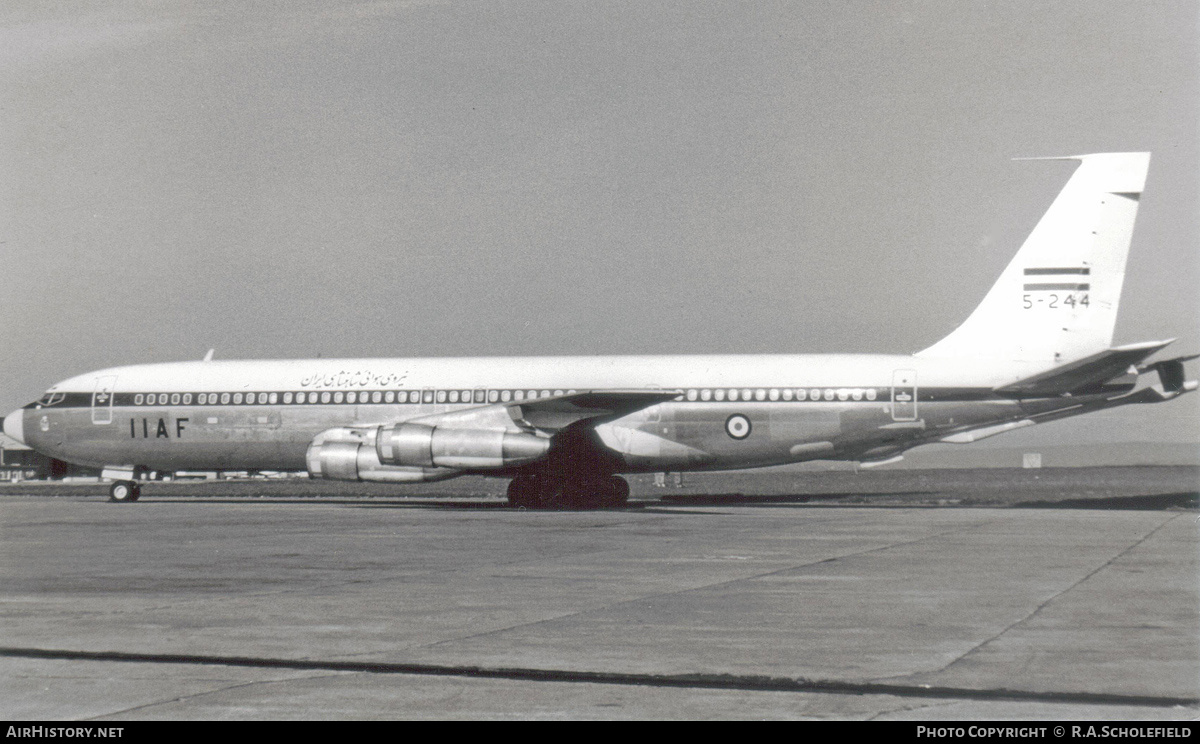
123,492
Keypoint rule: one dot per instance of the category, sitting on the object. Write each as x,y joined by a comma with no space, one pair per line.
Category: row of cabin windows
784,394
335,397
481,396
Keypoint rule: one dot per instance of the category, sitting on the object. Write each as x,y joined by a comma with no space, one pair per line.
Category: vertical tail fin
1057,300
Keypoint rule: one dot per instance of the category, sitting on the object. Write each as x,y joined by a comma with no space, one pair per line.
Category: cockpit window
51,398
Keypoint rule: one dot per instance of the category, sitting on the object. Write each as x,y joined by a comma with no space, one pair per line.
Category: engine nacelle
429,445
349,454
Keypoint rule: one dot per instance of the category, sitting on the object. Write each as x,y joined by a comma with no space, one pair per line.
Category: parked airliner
563,429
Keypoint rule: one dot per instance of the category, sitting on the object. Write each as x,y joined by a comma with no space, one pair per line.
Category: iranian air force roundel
737,426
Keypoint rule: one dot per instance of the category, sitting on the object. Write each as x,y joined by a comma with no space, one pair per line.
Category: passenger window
493,396
506,395
733,395
237,398
705,395
774,394
376,396
441,396
224,399
691,395
427,396
720,394
325,396
137,399
518,395
787,394
453,396
760,394
480,396
351,397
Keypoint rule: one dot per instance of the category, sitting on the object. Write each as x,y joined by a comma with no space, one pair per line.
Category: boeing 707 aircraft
563,429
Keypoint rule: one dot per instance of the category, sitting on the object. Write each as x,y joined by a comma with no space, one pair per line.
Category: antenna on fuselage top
208,356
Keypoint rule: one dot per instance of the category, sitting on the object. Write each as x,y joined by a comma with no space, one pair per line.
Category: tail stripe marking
1042,272
1058,287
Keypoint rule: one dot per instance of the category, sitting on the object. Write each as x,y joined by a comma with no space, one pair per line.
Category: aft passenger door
904,395
102,399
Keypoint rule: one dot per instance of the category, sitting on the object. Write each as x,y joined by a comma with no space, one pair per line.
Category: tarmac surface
1055,594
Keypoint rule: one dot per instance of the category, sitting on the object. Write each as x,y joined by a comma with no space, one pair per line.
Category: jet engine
426,449
424,445
349,454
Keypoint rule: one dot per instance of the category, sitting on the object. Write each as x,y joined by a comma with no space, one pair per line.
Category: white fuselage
730,411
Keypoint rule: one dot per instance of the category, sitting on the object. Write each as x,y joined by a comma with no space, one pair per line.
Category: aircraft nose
14,425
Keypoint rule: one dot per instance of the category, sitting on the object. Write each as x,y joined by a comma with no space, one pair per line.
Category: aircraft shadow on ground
1149,502
675,503
776,500
667,500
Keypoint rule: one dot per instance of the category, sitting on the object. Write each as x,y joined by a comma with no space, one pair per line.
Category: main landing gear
124,491
535,491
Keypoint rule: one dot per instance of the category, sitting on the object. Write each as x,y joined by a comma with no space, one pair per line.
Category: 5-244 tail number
1055,301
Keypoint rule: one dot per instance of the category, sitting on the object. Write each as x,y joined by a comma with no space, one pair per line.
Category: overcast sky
298,179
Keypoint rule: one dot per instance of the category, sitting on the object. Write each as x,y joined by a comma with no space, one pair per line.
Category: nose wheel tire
123,492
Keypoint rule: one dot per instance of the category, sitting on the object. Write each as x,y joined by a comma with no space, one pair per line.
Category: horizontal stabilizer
1170,372
1078,375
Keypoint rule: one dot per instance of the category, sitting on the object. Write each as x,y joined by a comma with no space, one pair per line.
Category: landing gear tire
617,496
525,492
123,492
534,492
541,492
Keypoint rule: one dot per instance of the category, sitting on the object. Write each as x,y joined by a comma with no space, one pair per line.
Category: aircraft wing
1084,373
559,412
